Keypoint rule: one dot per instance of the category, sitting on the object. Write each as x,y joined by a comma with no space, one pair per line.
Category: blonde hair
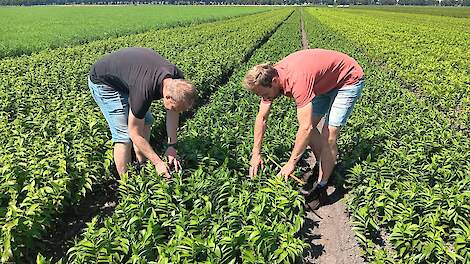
261,74
183,92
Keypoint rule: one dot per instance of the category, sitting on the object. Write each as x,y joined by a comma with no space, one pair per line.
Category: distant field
426,51
27,29
429,10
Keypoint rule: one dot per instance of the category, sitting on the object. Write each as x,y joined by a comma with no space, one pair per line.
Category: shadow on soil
351,155
99,202
315,250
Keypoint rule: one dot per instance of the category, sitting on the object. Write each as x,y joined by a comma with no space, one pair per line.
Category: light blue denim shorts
337,104
115,108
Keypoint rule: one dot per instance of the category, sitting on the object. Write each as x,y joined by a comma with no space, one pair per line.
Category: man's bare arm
260,128
136,128
172,120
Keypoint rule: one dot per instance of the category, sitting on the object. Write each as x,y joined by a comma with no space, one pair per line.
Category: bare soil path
328,229
303,32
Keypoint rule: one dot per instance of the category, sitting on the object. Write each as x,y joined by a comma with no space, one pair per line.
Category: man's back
311,72
136,71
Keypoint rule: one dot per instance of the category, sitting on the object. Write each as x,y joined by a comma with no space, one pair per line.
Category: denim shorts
115,108
337,104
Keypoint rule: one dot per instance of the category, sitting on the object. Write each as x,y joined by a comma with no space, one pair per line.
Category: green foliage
408,164
31,29
425,52
425,10
55,142
212,213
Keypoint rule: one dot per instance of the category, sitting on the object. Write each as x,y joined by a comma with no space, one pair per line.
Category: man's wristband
173,145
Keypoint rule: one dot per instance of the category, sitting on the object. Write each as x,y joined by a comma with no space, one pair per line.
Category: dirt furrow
328,229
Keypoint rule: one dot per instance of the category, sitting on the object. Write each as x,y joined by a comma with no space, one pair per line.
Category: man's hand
287,170
163,169
173,158
255,163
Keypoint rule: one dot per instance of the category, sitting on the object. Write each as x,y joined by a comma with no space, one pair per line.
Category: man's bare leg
140,156
315,143
316,140
329,152
122,156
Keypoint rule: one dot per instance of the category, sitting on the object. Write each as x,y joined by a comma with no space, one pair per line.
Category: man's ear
275,81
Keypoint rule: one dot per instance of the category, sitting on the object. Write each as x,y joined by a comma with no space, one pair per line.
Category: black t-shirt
136,71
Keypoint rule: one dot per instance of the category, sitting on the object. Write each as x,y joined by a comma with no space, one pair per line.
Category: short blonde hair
261,74
183,92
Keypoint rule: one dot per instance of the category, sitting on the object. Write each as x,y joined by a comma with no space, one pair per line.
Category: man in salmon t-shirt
322,83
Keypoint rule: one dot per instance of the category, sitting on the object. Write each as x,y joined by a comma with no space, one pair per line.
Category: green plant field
53,134
407,167
425,10
29,29
214,214
404,154
426,52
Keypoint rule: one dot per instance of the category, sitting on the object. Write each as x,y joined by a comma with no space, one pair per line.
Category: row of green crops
213,213
426,10
30,29
408,168
428,53
53,136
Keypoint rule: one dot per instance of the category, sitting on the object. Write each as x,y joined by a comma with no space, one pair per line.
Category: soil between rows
328,229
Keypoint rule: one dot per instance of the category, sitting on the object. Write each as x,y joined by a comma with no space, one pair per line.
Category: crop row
426,52
212,213
407,167
425,10
54,138
31,29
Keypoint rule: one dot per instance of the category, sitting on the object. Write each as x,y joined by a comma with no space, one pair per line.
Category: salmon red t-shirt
307,73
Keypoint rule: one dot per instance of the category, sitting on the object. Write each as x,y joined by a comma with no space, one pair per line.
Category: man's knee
330,134
122,150
122,156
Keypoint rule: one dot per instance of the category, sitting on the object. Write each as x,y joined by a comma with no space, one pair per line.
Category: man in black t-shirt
124,84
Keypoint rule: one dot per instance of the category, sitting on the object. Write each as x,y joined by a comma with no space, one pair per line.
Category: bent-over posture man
322,83
124,84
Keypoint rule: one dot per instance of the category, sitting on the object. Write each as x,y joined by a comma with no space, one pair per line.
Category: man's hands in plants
255,163
173,161
287,170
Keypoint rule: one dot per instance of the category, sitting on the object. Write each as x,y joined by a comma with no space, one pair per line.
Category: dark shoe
316,198
308,188
312,181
